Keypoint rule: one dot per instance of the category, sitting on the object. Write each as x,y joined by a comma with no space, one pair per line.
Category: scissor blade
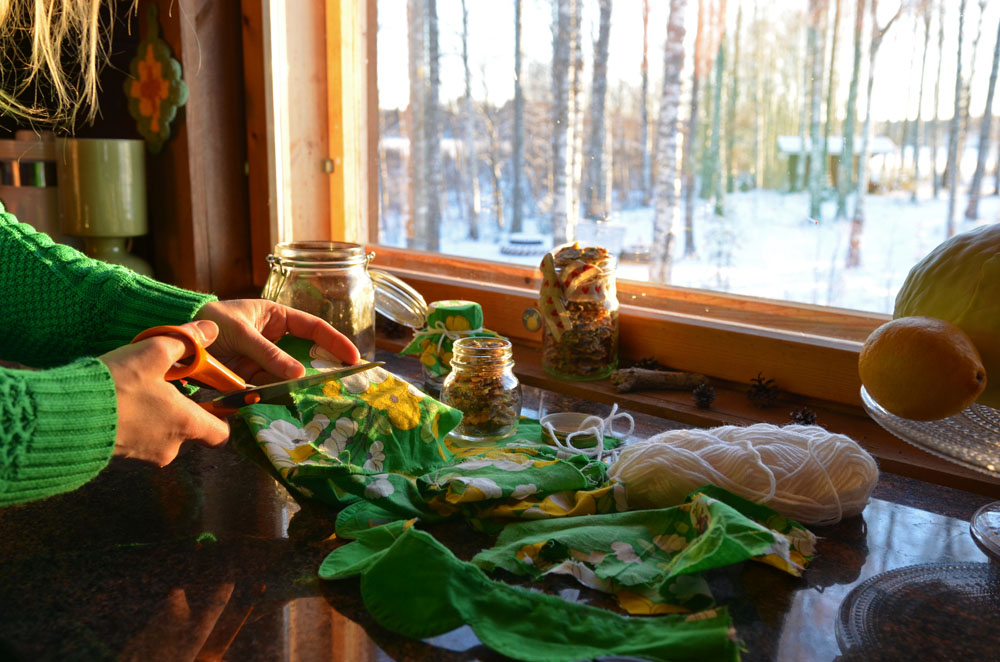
271,391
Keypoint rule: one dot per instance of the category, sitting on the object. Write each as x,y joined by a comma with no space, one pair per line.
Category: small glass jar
331,280
483,387
578,303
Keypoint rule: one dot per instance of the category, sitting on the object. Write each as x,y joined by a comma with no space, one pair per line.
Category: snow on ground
766,246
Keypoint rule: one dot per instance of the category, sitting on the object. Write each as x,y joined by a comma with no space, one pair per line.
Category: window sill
731,407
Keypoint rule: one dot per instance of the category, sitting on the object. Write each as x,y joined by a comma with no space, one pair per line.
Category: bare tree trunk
817,9
831,85
845,173
858,221
800,169
953,145
595,189
517,147
714,157
661,253
917,143
936,179
691,137
758,124
955,160
646,175
562,133
468,135
734,88
435,167
416,116
972,211
576,117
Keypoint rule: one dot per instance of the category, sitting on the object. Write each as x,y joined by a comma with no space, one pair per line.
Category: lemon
921,368
959,281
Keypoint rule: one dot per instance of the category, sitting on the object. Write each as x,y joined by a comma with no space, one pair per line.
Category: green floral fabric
442,593
649,559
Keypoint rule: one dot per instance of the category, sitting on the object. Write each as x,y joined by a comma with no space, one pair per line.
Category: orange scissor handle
197,363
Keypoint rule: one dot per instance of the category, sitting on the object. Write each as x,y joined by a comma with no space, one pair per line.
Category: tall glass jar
331,280
578,302
483,387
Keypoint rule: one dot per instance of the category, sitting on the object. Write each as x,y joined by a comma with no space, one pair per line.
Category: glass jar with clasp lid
482,385
331,280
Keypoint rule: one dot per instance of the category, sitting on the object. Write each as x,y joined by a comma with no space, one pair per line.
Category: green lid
440,311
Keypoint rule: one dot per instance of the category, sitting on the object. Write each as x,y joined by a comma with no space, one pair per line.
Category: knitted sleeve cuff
145,302
57,428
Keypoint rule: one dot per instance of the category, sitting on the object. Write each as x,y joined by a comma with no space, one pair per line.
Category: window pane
687,145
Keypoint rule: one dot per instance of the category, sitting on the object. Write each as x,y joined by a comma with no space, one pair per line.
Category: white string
451,334
593,426
802,471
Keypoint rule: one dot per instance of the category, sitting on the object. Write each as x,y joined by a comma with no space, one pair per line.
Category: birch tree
734,88
573,188
432,112
920,129
953,143
936,183
701,60
471,161
831,83
644,108
417,227
597,197
845,173
954,160
562,127
817,8
664,188
517,141
972,211
804,105
858,220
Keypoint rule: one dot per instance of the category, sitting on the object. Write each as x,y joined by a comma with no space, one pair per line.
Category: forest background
682,134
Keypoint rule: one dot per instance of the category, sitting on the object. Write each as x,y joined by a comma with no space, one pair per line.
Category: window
752,194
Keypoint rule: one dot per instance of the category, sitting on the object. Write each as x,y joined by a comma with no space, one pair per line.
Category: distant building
791,147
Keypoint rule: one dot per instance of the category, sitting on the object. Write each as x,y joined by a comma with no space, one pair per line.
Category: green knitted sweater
58,311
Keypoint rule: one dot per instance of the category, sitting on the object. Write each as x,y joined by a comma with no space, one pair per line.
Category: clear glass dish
970,439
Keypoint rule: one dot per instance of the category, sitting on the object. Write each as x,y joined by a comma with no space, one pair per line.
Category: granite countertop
210,559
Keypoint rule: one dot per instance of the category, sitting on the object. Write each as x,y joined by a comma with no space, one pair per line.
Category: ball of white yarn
801,471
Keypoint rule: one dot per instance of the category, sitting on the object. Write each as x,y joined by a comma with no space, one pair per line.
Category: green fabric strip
441,593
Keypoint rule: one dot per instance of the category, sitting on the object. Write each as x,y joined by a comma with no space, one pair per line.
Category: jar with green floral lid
447,321
482,385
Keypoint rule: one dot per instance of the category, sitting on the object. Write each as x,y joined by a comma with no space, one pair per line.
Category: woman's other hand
248,329
154,418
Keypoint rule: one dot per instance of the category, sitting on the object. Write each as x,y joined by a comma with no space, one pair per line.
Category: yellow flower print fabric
650,559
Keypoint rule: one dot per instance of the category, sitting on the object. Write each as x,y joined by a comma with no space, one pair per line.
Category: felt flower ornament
399,399
375,457
287,444
154,89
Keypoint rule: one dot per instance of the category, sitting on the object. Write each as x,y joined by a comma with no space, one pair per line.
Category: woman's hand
248,329
154,418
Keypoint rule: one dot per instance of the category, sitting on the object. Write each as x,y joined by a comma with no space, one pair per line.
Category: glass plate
970,439
934,611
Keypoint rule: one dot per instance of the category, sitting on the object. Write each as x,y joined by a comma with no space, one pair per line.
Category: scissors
202,367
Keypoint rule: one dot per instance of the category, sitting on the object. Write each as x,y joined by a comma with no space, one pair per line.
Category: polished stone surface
210,559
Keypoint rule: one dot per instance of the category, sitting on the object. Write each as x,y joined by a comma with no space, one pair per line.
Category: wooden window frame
809,351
